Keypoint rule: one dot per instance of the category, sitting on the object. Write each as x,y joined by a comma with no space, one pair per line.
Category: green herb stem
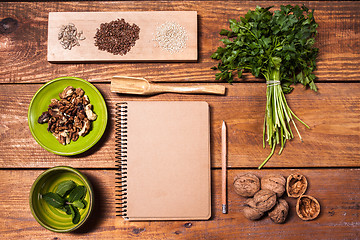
279,46
278,116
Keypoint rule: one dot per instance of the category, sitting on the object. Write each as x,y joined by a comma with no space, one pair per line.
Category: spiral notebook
163,160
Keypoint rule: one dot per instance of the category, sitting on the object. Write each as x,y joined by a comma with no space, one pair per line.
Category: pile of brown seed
116,37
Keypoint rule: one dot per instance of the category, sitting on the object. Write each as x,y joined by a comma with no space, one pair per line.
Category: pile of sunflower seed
171,37
69,36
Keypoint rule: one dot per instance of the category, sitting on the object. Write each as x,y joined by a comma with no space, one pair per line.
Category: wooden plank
332,113
337,190
146,48
23,52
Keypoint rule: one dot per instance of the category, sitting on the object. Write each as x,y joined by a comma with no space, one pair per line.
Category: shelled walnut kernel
69,117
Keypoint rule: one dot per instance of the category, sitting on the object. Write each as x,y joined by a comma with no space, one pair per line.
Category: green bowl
50,217
40,103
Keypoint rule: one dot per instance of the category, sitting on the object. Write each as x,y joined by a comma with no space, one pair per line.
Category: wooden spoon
132,85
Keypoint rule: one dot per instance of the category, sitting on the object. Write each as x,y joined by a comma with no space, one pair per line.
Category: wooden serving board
145,49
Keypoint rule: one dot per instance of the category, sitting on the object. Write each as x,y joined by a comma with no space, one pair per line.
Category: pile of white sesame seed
171,37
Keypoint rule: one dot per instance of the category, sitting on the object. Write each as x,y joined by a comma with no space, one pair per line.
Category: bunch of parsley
279,47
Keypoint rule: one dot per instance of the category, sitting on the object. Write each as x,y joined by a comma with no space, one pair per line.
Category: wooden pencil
223,167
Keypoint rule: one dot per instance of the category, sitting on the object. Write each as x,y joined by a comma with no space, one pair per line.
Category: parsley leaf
277,46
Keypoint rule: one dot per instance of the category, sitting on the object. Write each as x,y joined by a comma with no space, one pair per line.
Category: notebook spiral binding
121,158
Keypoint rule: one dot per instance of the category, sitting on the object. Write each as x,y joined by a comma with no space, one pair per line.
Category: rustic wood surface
333,188
23,52
332,114
329,156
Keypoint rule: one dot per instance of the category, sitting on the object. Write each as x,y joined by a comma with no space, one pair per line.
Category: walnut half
307,208
296,185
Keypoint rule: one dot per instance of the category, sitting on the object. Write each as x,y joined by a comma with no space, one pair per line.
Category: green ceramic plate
40,103
49,217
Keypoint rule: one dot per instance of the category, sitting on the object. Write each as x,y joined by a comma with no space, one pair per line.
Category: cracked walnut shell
307,207
296,185
275,183
246,185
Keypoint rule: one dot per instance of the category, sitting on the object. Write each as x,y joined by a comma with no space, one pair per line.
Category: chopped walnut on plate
69,117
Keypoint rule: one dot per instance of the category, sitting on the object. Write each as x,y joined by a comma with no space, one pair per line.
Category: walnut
45,117
64,102
279,213
68,91
265,200
79,92
89,113
86,127
51,123
62,137
81,114
74,136
307,207
246,185
54,103
85,100
77,122
66,136
54,112
250,211
275,183
296,185
68,118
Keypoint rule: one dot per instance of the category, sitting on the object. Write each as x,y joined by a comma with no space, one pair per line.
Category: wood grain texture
337,190
145,49
23,52
332,113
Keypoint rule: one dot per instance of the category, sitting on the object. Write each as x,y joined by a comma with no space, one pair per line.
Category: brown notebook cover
164,160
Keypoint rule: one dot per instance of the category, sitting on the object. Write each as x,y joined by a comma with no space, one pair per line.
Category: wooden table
329,156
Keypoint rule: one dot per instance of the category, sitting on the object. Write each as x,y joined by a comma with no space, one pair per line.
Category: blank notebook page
168,161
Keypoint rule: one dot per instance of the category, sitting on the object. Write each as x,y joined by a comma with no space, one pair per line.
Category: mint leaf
78,204
77,193
66,209
54,199
65,187
75,214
